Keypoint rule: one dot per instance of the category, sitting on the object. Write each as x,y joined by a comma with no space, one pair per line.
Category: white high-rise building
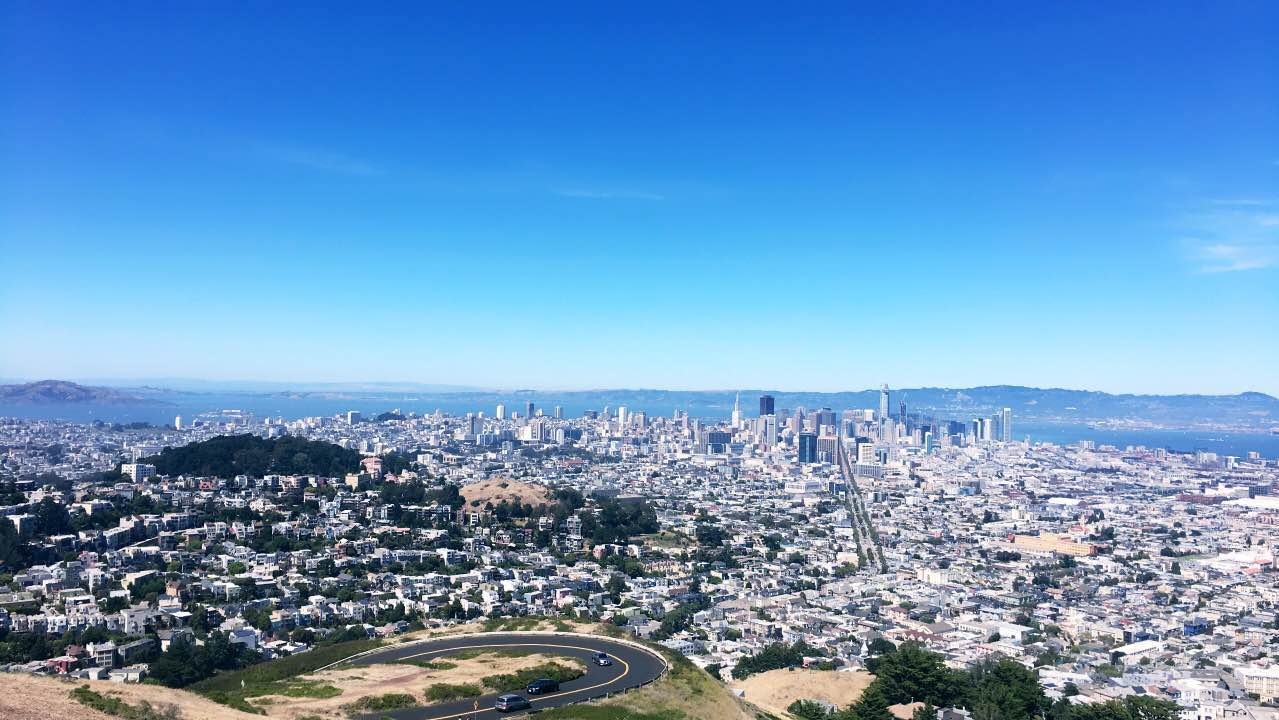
737,412
769,430
501,411
177,423
137,471
621,416
886,430
1006,427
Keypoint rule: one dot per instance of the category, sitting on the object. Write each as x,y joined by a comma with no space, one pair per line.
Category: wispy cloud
321,160
1240,202
1222,257
1234,235
609,194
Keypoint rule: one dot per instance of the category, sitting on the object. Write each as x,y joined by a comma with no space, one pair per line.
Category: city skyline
667,197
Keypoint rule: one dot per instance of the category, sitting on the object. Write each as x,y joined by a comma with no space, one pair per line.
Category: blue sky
586,195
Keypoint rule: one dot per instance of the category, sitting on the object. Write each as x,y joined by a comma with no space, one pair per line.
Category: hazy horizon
249,386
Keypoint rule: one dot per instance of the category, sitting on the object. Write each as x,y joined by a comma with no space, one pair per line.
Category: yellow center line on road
626,670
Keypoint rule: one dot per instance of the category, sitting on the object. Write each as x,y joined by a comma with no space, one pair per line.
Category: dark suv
542,686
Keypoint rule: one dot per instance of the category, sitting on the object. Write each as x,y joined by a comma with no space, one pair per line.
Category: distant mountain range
196,385
56,392
1249,411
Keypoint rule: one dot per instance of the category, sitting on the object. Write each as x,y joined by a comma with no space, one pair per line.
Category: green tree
880,646
1133,707
199,619
808,710
774,657
911,674
615,587
872,705
51,518
1005,690
10,544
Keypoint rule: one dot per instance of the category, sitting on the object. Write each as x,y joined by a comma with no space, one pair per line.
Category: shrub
517,680
304,688
389,701
441,692
774,657
428,664
808,710
119,708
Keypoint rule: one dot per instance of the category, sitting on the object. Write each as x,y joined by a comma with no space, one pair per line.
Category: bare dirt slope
776,689
496,490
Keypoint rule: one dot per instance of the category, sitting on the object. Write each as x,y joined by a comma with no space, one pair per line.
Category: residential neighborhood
1111,572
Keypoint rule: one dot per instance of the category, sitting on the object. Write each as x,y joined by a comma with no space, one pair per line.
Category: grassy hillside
268,678
685,693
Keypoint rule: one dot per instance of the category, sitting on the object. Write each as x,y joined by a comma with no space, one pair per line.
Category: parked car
541,686
602,659
511,702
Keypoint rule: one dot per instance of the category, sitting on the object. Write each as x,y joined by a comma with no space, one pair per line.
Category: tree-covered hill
232,455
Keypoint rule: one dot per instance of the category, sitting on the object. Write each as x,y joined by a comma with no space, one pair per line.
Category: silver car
511,702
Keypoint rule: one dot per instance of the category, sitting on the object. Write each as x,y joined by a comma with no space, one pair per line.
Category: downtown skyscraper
767,405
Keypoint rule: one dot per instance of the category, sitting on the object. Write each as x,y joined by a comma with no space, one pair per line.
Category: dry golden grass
685,693
25,697
905,711
663,700
496,490
372,680
775,690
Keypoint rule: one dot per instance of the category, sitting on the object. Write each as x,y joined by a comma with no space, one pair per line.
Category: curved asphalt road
631,666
